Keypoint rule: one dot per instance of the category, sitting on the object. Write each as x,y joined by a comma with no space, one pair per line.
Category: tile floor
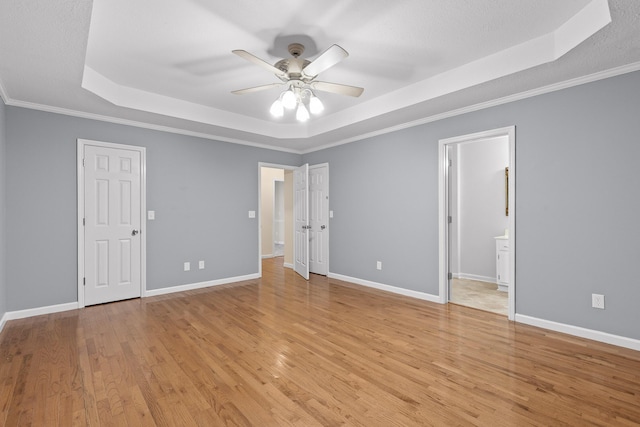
480,295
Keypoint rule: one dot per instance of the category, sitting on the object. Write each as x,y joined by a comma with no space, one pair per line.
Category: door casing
81,143
443,211
288,168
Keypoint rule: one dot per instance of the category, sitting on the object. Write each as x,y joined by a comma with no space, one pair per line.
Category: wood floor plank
281,351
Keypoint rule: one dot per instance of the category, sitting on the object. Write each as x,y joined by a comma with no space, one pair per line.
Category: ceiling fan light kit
277,109
289,100
300,74
302,115
315,105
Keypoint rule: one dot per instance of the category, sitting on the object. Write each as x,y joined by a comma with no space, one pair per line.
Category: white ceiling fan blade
337,88
255,89
327,59
252,58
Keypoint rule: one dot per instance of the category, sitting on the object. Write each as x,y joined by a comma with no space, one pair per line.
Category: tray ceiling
169,64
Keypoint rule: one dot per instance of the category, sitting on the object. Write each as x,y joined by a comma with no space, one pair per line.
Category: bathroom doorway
478,211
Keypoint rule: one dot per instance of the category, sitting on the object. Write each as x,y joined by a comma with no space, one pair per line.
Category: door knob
134,232
322,227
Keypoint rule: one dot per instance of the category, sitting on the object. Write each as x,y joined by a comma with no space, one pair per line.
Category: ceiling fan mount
296,49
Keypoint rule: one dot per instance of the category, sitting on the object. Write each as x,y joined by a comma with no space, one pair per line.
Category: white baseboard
475,277
287,265
21,314
388,288
3,321
578,331
30,312
200,285
265,256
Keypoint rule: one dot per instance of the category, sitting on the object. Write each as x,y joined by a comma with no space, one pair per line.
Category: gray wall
578,231
384,196
3,179
200,189
577,221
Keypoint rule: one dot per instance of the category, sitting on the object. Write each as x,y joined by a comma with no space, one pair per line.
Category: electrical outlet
597,301
201,265
379,265
187,266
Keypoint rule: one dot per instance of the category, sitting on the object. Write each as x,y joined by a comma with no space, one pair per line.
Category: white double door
112,219
311,219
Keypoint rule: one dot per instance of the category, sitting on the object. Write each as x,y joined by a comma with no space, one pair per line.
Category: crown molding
601,75
144,125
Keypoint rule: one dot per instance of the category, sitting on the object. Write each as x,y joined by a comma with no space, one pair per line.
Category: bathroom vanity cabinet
502,263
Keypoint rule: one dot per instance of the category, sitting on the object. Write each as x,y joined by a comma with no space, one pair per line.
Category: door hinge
450,162
82,162
84,281
83,222
450,276
450,219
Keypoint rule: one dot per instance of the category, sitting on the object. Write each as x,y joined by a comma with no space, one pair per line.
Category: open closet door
301,220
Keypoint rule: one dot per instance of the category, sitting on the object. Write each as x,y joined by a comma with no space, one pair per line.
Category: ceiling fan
299,75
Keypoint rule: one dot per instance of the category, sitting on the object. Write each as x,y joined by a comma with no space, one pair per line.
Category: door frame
81,143
259,216
443,210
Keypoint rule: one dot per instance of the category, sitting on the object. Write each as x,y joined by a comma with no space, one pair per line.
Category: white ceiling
168,64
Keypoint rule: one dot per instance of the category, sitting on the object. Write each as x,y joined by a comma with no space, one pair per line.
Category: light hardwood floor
280,351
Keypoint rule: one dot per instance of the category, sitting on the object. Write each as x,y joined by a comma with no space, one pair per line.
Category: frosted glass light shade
302,114
289,100
315,105
277,109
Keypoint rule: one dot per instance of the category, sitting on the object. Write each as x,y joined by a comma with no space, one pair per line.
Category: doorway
309,236
274,206
477,210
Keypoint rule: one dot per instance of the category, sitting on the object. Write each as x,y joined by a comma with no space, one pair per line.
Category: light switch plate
330,214
151,215
187,266
201,265
252,214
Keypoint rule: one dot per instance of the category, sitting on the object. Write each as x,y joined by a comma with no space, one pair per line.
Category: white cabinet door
502,264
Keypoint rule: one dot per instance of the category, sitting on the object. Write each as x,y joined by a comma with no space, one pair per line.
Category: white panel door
301,221
319,219
112,202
